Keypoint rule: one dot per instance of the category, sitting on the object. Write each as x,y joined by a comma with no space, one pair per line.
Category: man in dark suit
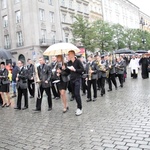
112,72
102,67
31,71
21,79
54,87
91,70
44,74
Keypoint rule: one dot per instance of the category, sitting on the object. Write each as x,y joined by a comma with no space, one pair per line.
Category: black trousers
134,75
31,87
121,79
101,83
84,86
90,83
20,93
112,79
75,86
40,96
55,90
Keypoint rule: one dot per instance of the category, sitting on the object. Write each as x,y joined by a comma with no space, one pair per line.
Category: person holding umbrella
62,81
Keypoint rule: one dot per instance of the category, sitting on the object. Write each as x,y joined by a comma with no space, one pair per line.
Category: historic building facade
121,12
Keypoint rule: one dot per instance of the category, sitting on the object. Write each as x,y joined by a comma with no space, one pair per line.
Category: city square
119,120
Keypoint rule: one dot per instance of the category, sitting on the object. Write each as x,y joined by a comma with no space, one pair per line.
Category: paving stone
119,147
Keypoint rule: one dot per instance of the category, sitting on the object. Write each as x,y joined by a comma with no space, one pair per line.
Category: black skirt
62,85
4,88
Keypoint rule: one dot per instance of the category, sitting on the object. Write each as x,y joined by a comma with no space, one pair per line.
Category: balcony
47,42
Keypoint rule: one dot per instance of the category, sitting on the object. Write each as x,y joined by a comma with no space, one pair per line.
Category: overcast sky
144,5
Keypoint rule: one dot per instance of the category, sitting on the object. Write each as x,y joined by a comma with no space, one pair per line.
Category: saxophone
89,73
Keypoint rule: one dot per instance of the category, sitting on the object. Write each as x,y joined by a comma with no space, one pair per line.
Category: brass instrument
37,83
101,66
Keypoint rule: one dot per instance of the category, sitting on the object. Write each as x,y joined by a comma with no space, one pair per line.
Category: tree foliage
107,37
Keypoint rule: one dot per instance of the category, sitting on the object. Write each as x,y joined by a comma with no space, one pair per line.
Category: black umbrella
5,54
141,51
124,51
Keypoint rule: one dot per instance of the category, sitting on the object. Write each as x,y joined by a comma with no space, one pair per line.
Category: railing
19,44
47,42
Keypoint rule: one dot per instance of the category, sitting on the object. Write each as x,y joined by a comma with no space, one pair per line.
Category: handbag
5,82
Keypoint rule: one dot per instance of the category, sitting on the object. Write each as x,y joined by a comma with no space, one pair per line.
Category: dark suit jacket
120,67
113,64
4,79
44,74
31,71
23,76
93,66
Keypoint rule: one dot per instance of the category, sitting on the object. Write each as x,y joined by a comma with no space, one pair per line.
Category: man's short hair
28,59
3,63
21,61
72,51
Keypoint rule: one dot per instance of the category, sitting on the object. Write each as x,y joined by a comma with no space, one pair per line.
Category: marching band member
55,90
102,66
62,84
120,64
91,70
44,74
4,85
31,85
21,80
112,72
75,69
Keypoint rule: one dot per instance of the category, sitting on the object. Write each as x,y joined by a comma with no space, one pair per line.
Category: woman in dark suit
4,82
63,81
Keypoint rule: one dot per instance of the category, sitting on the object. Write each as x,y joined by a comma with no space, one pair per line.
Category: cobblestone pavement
119,120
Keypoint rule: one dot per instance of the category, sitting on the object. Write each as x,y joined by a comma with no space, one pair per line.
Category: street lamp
142,22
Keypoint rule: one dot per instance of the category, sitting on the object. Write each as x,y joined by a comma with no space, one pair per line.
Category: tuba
101,66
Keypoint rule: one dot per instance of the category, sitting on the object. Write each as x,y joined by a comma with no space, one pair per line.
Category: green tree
119,36
83,31
103,35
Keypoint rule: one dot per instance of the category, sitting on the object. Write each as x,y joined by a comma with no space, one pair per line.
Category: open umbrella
60,49
5,54
124,51
141,51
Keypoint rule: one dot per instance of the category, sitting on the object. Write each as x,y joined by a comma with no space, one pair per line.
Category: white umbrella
60,49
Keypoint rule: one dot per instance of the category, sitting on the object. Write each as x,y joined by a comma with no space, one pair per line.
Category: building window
51,16
63,17
53,37
70,3
17,1
6,41
86,8
63,3
4,4
78,6
43,33
5,21
66,38
19,39
42,14
50,2
18,16
71,19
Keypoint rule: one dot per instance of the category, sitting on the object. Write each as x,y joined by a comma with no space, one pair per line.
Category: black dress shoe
116,88
94,99
24,108
71,99
102,95
36,110
17,108
14,96
54,97
57,98
109,90
49,109
65,109
88,100
31,96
